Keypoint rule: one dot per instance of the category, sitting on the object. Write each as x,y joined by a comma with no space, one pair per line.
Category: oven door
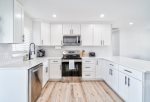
66,72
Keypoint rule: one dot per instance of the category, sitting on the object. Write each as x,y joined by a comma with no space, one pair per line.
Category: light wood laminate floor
86,91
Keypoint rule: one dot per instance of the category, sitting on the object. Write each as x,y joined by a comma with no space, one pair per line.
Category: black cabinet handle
128,82
128,71
111,64
125,80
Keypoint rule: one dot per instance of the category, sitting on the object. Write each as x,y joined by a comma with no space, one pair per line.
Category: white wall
135,42
100,51
116,42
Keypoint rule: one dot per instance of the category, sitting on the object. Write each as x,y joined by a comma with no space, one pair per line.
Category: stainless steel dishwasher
35,82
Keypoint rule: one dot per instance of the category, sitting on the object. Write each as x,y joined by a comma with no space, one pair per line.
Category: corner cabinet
11,22
41,33
130,84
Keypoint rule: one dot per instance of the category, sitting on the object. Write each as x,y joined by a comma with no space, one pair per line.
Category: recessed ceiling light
102,15
54,15
131,23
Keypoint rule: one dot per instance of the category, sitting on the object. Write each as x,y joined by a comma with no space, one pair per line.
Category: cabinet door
99,69
97,37
114,79
18,23
106,35
104,70
45,33
6,21
134,90
55,70
37,32
87,34
56,34
66,29
123,87
76,29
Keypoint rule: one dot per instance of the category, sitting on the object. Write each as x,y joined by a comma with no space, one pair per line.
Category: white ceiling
119,12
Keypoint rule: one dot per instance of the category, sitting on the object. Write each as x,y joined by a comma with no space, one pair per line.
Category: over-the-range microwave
71,40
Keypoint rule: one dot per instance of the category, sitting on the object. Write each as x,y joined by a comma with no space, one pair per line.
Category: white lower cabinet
99,69
123,92
45,73
111,76
134,89
55,69
88,69
126,82
130,89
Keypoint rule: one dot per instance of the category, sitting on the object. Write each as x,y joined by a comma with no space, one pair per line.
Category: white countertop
27,64
136,64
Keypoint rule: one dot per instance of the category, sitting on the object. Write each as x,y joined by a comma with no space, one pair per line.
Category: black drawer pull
111,64
128,71
87,75
87,61
87,67
55,61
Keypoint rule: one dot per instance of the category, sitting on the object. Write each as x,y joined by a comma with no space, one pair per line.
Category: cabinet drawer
88,75
88,67
113,65
131,72
89,61
55,61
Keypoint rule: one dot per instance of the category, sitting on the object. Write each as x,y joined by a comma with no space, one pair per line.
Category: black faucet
30,51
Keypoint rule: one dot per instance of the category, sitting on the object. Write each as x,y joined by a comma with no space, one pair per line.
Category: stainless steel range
71,64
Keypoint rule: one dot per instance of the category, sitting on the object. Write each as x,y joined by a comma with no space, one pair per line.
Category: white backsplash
6,55
100,51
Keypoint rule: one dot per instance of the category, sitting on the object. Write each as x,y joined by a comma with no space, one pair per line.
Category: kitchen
82,51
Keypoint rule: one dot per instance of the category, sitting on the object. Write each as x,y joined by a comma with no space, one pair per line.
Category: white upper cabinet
11,22
96,34
76,29
71,29
37,32
102,35
45,34
106,35
87,34
97,37
41,33
56,34
66,29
